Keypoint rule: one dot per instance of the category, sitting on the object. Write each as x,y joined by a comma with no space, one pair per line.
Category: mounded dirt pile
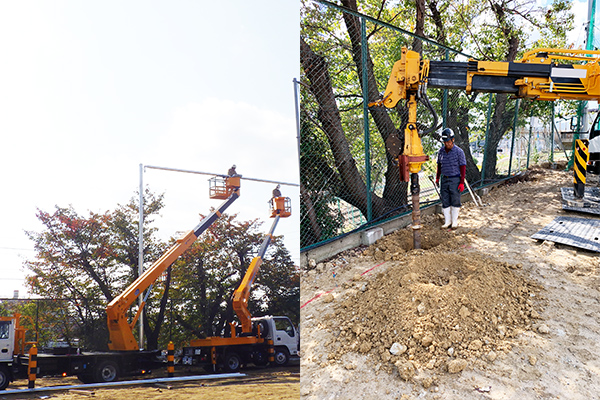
395,245
438,309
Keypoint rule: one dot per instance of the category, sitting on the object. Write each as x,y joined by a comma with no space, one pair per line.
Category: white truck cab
285,336
7,347
7,340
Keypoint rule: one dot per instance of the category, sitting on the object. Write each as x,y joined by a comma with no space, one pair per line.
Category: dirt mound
433,309
395,245
532,174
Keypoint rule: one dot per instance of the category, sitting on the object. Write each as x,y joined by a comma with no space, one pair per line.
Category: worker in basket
276,192
451,168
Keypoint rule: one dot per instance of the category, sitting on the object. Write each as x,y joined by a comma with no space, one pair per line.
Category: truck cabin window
4,329
284,324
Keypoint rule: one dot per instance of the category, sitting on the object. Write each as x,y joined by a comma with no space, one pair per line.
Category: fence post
485,147
552,135
529,143
512,144
445,100
365,90
141,254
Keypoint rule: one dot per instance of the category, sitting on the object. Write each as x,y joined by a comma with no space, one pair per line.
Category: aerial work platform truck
261,340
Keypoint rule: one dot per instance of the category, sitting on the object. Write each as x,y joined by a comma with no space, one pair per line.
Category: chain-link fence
348,179
59,322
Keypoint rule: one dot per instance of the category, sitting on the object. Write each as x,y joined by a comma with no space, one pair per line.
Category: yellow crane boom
119,328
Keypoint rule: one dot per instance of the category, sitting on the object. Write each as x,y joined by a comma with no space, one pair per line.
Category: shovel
435,186
474,195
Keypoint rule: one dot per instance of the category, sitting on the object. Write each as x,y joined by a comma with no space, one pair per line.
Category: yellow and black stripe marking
582,156
270,350
170,359
32,373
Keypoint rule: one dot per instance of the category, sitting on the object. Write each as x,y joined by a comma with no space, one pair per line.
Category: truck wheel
4,377
106,371
231,362
282,356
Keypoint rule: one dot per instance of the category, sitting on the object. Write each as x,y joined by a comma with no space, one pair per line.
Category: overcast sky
578,35
89,90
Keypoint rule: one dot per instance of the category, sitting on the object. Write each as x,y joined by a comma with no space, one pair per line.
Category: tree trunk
353,189
458,121
502,118
501,121
85,263
419,26
152,334
310,212
440,30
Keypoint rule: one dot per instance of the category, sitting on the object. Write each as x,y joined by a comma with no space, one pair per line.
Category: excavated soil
482,312
435,308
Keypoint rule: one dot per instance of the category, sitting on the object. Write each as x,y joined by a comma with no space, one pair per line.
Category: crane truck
261,340
124,356
542,74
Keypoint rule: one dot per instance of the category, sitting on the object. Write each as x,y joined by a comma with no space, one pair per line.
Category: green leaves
82,261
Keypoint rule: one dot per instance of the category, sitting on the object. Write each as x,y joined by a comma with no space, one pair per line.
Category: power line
16,248
222,175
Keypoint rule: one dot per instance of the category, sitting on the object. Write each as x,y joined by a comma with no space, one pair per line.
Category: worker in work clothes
276,192
451,168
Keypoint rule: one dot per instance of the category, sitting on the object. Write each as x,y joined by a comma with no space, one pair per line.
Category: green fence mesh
347,176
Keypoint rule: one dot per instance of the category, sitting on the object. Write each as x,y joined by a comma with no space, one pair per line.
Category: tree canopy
83,261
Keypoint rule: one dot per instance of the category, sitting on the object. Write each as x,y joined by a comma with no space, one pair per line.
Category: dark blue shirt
451,160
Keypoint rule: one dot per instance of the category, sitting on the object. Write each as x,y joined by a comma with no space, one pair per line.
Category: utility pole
589,45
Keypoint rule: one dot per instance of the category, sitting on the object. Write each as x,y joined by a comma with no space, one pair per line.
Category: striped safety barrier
582,156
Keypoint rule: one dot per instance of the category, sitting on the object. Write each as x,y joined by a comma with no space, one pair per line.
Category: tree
73,264
277,289
351,186
84,261
506,36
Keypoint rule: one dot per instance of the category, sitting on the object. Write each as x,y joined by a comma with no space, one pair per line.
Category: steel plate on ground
577,232
589,204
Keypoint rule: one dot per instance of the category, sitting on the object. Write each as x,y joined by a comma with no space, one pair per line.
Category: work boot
454,211
447,218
